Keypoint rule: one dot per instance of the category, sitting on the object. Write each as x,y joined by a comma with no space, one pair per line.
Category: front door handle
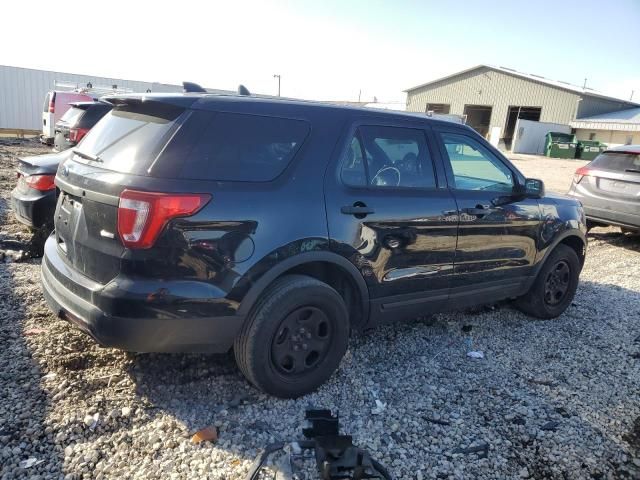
358,209
479,210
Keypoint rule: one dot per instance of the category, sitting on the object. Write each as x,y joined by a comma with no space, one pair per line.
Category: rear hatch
614,176
117,154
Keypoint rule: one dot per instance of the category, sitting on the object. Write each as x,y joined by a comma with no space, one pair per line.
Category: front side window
388,157
475,167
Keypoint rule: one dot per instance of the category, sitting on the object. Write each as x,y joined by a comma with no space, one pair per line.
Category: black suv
198,223
77,121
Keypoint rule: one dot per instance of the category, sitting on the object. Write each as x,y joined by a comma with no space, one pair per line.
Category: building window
442,108
592,136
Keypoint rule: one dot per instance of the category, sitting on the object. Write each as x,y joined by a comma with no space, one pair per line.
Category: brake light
581,172
41,182
76,134
143,215
52,104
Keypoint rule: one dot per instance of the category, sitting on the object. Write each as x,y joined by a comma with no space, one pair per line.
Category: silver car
609,188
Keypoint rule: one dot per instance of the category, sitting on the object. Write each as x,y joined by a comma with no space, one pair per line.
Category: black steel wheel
557,283
555,286
294,338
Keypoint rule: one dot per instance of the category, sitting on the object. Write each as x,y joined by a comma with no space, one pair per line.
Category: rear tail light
41,182
76,134
52,105
581,172
143,215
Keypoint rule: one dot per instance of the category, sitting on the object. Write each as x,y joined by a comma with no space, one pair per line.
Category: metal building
23,90
494,98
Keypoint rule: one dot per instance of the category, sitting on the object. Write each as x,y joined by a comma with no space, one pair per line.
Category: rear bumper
609,211
34,208
611,217
75,298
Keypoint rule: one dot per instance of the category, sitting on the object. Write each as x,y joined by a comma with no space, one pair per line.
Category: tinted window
72,115
92,115
395,157
129,138
238,147
475,167
354,172
617,161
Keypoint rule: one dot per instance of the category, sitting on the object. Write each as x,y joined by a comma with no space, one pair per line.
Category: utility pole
360,93
631,97
278,77
584,87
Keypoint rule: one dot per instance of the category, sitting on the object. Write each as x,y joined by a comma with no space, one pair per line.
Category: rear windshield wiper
88,156
632,170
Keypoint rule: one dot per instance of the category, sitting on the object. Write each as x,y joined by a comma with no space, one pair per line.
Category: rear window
618,161
241,147
128,138
72,115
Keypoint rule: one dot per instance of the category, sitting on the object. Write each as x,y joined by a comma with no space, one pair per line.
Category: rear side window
240,147
72,115
618,161
128,138
388,157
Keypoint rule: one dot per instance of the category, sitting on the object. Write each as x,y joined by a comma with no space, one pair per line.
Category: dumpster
560,145
589,149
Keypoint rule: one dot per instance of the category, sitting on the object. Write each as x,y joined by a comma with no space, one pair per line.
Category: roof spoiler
190,87
244,91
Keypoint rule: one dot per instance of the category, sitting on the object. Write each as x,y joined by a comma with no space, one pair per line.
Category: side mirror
533,188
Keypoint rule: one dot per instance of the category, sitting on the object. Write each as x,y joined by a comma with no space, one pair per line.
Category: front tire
294,338
555,286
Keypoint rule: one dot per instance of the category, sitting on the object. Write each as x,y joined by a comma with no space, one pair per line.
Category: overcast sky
327,49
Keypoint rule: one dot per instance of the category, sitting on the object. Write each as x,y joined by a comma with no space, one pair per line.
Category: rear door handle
357,210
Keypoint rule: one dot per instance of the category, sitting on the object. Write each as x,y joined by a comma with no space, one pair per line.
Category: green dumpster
589,149
560,145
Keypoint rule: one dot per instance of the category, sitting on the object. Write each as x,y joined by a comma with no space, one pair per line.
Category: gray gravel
550,399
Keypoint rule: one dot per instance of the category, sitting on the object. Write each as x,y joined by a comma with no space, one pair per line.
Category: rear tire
294,337
554,287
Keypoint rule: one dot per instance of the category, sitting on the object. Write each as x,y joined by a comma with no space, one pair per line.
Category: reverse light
143,215
41,182
580,173
77,134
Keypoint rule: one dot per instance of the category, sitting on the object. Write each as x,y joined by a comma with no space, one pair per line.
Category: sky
327,49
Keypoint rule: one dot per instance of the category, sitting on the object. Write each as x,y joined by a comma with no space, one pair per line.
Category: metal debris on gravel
551,399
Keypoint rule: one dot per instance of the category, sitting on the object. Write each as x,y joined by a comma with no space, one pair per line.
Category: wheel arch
574,239
328,267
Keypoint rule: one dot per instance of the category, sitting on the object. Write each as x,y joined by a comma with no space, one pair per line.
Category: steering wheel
409,163
383,182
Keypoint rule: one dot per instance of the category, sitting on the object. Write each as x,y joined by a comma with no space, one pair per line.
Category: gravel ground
551,399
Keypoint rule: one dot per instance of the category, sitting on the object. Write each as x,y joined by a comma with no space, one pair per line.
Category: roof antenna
190,87
244,91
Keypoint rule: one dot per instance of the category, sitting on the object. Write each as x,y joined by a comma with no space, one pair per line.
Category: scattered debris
30,462
437,421
379,408
50,376
336,456
481,449
34,331
476,354
542,381
551,425
91,421
208,434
